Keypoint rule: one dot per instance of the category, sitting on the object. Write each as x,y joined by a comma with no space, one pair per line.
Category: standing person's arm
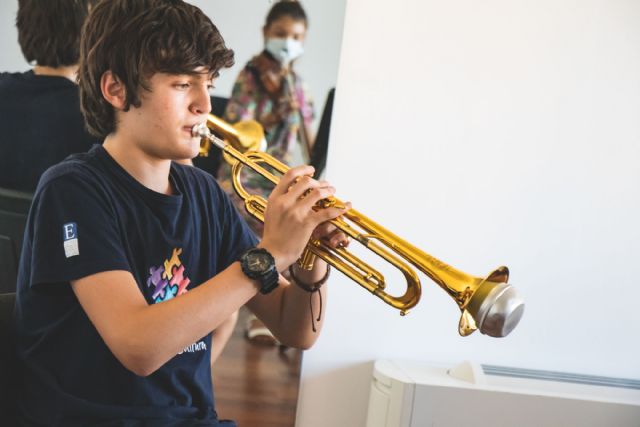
307,111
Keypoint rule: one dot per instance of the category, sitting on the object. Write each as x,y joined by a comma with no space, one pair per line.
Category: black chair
212,163
321,145
8,362
14,209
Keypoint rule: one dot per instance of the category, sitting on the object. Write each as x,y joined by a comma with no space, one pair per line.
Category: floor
256,385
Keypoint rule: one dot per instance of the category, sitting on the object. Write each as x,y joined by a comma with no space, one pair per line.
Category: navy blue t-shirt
40,125
89,215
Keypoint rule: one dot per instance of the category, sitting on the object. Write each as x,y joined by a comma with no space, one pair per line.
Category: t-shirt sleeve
237,236
73,232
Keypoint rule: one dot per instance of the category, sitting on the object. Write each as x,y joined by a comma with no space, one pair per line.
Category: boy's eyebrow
207,75
197,75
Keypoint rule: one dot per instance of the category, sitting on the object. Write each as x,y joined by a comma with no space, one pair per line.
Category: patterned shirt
281,123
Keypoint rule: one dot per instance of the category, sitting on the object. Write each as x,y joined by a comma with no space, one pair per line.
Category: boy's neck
151,172
68,71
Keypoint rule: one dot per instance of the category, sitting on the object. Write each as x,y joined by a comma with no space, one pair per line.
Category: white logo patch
70,237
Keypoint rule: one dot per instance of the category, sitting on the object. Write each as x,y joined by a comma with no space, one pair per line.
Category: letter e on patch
70,238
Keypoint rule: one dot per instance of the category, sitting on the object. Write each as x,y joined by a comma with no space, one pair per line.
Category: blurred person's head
167,37
285,30
49,30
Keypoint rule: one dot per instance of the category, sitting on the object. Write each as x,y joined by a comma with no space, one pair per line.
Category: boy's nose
202,105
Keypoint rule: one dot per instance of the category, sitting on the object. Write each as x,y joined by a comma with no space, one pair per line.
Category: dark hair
286,8
134,39
49,31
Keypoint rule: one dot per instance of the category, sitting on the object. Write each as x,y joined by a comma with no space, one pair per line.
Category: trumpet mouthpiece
201,130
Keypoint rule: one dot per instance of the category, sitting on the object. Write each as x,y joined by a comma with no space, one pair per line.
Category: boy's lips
189,129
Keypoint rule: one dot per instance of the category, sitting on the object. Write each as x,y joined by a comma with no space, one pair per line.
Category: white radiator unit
412,394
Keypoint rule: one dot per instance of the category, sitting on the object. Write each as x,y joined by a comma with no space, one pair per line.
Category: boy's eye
182,85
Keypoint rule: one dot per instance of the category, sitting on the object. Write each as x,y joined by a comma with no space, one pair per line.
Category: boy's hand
290,218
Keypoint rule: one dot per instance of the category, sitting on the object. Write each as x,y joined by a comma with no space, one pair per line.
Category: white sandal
257,332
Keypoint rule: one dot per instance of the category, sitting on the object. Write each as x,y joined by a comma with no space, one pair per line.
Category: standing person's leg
221,336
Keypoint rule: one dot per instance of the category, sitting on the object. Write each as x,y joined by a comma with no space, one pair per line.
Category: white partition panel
488,132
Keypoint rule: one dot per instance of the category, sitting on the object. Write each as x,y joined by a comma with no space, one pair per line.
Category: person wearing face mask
269,91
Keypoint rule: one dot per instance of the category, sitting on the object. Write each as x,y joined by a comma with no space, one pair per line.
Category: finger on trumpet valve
330,202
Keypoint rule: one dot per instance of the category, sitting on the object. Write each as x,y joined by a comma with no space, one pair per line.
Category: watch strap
269,282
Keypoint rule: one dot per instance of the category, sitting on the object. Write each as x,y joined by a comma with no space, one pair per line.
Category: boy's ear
113,90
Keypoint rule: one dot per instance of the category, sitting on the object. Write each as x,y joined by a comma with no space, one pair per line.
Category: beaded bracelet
311,288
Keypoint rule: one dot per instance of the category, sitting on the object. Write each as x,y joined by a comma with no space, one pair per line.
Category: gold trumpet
489,304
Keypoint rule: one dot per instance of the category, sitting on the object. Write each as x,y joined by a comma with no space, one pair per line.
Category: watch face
258,262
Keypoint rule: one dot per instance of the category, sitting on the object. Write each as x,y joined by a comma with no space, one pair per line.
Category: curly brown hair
135,39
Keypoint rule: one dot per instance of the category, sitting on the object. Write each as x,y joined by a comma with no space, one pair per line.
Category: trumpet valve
329,202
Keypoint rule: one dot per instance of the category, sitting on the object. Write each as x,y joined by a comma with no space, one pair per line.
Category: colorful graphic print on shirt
168,280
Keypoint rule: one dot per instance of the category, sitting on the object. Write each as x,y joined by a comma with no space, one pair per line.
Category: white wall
486,133
240,23
11,58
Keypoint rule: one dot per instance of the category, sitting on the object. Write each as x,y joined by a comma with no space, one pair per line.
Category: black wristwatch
258,264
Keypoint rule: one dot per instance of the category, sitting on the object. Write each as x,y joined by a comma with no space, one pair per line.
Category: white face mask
284,50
